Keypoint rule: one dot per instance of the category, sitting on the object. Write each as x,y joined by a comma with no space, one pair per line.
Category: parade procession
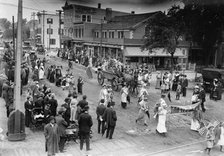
93,81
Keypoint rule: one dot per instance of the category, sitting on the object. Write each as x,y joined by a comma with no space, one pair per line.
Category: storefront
158,57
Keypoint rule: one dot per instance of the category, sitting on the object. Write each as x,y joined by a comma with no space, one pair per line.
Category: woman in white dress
221,138
196,119
161,126
41,71
124,94
73,104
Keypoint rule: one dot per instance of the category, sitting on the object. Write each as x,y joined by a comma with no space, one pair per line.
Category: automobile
40,49
209,74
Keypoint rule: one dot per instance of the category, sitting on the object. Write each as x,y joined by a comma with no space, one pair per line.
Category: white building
48,32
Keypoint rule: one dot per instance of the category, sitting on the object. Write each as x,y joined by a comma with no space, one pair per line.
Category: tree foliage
165,31
5,24
205,26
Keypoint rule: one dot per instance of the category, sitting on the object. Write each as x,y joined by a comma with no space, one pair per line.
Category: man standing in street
110,118
184,85
51,136
85,123
99,112
62,124
83,102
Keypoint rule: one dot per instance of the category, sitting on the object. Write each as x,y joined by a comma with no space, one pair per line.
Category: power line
28,8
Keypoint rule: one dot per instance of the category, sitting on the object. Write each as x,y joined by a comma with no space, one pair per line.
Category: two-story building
123,37
80,22
48,32
106,33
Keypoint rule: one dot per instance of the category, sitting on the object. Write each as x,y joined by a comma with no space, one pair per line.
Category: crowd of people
41,103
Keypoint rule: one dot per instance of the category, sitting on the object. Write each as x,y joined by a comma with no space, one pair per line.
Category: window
97,34
120,34
49,21
82,32
49,31
38,30
60,32
76,33
86,18
104,34
83,18
79,32
111,34
89,18
62,22
52,41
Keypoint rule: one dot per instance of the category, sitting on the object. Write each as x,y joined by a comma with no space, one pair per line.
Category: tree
204,22
4,24
165,31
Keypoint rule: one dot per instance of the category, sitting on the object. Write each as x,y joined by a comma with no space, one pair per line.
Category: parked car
209,74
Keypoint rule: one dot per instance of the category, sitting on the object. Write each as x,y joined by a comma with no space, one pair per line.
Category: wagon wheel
100,78
114,84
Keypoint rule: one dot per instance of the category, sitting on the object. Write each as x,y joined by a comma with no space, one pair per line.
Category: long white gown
161,126
41,72
195,125
221,140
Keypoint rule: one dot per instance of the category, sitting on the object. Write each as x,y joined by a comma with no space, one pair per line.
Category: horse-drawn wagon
113,78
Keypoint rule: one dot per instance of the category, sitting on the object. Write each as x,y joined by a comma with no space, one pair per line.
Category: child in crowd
210,137
178,91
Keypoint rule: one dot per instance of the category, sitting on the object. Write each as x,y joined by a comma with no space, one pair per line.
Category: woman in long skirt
161,126
221,137
28,109
158,80
41,71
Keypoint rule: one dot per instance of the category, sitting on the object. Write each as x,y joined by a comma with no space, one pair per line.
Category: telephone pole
43,25
101,36
13,38
16,126
33,31
60,31
49,31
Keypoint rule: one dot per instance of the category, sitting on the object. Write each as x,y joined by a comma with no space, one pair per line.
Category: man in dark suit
53,104
99,112
83,102
110,118
85,123
62,124
184,85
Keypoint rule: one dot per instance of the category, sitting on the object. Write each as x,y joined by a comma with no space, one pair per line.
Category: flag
202,130
216,123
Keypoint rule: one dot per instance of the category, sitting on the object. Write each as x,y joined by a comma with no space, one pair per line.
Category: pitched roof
126,21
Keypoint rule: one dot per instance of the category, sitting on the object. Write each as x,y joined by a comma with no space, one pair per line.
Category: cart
113,78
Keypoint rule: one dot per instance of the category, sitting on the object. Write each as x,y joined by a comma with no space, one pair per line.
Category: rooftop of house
70,2
126,21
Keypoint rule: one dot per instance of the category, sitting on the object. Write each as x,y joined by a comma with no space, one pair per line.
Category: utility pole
16,124
33,33
43,25
49,32
13,38
101,36
60,31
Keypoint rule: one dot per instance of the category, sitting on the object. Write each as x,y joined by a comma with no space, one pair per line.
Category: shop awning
158,52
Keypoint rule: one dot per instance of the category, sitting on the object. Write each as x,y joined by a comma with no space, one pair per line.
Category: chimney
132,12
99,5
108,14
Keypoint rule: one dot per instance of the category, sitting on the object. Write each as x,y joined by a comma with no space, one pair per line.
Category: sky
9,8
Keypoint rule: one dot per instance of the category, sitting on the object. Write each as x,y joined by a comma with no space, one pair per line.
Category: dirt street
129,138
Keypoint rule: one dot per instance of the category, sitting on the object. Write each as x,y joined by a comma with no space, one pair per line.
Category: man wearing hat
85,123
62,124
110,118
184,85
100,111
51,136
